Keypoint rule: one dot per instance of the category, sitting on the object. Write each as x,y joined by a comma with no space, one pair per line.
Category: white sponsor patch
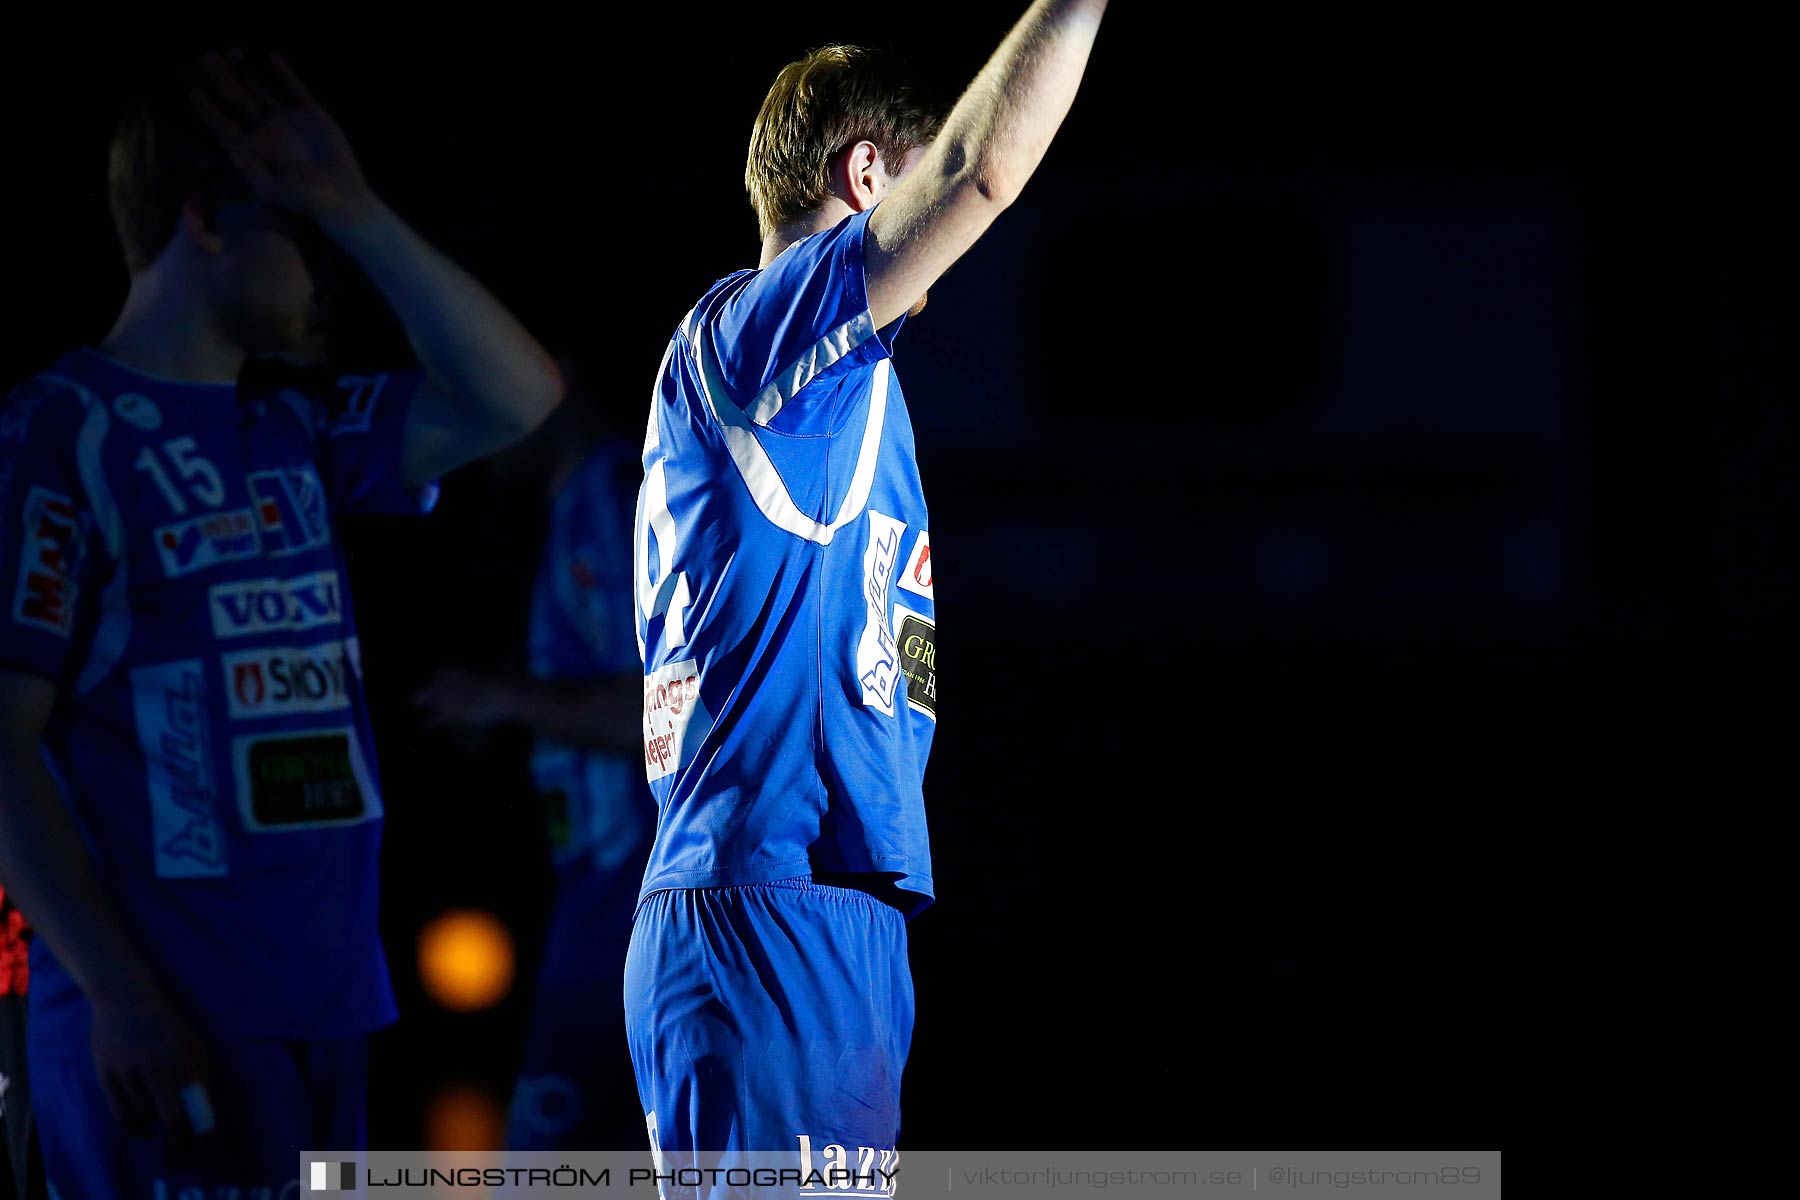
915,577
354,404
169,704
266,605
201,542
272,681
291,511
139,410
831,1169
671,698
877,658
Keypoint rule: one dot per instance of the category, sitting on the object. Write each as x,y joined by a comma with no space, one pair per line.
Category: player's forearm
1003,124
604,714
44,866
462,334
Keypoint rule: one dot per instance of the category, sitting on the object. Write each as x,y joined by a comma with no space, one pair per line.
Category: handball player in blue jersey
189,809
787,611
581,702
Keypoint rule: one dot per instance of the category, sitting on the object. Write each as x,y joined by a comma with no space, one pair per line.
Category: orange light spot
464,1116
466,960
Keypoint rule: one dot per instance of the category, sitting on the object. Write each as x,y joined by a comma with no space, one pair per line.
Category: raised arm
488,382
990,144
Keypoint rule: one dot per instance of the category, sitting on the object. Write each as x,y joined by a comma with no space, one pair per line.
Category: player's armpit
990,144
919,232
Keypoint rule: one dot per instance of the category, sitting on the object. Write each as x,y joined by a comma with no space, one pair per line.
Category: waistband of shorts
792,883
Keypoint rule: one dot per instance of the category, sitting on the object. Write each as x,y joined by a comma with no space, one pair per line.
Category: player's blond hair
831,99
161,154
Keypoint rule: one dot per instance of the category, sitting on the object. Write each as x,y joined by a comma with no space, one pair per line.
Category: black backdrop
1359,469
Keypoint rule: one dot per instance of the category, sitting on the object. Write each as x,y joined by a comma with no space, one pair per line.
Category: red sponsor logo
247,680
915,576
49,560
668,704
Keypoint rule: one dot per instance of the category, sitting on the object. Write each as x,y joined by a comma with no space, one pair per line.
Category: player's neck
168,331
826,216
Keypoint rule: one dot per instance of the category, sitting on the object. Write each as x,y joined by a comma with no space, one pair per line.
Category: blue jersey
784,579
167,555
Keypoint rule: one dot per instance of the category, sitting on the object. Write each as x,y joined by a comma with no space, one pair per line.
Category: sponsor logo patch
201,542
49,561
671,698
139,410
915,576
290,510
916,636
169,702
268,605
272,681
877,658
352,404
831,1169
292,781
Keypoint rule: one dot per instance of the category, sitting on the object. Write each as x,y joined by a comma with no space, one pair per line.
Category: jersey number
196,471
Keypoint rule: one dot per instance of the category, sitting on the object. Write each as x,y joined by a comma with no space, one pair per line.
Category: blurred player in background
787,612
188,802
583,703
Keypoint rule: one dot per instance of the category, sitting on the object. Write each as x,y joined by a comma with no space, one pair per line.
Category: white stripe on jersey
818,356
653,427
759,473
113,633
88,445
668,595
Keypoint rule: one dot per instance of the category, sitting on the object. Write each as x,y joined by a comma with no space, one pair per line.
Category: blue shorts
270,1100
768,1017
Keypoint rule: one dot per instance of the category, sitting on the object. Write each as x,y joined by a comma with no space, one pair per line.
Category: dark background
1361,475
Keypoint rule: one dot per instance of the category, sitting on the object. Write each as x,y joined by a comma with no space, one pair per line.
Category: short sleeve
50,544
363,421
801,318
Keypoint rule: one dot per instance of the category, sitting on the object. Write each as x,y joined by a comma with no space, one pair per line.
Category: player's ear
198,222
857,177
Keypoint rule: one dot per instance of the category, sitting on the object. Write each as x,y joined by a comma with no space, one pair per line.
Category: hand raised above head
290,151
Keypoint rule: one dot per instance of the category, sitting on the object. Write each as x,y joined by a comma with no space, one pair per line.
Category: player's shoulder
47,407
706,309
